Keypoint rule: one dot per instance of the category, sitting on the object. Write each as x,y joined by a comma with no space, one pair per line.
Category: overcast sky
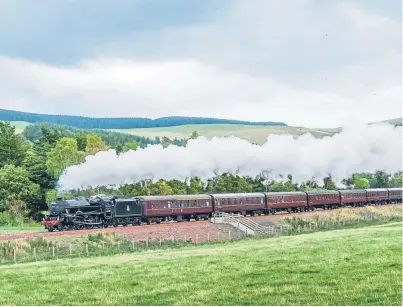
303,62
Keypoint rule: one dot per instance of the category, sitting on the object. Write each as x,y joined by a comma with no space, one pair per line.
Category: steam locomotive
103,211
94,212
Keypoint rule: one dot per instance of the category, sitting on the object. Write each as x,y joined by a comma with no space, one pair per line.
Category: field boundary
110,243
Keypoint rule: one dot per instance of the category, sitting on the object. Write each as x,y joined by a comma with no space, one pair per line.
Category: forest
32,162
122,122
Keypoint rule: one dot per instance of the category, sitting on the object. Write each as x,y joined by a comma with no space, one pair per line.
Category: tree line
122,122
32,163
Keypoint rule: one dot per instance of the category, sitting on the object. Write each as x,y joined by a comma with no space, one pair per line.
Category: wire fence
102,244
109,243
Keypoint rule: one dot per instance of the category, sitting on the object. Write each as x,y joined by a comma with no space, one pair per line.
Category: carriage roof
175,197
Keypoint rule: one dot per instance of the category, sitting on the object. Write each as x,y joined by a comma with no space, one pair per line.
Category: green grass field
255,134
343,267
19,126
22,229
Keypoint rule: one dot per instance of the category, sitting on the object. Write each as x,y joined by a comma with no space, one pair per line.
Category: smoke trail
362,148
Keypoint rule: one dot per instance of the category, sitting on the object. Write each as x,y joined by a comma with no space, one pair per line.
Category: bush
8,219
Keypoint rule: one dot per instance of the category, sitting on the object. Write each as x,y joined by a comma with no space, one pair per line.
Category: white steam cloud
362,148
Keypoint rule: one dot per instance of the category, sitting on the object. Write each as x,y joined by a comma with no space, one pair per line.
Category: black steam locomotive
94,212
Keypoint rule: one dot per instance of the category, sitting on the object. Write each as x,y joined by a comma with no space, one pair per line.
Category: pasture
19,126
360,266
254,134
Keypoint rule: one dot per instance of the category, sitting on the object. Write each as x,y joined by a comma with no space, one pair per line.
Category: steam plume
362,148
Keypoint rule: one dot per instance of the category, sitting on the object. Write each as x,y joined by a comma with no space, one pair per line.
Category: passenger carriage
355,198
176,207
244,203
289,201
326,199
395,195
377,196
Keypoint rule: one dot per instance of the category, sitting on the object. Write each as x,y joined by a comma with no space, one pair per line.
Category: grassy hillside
345,267
255,134
120,122
20,126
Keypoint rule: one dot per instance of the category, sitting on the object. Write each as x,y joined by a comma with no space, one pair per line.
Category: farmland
360,266
255,134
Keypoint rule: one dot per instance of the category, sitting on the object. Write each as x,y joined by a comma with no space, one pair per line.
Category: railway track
159,227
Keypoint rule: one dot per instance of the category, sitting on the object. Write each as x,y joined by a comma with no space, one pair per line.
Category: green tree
39,174
119,148
94,144
329,183
64,154
130,146
195,186
81,139
177,186
396,181
165,142
160,187
382,179
16,186
361,182
194,135
12,146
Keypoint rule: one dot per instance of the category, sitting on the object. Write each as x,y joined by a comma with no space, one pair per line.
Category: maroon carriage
377,196
176,207
244,203
353,197
326,199
395,195
289,201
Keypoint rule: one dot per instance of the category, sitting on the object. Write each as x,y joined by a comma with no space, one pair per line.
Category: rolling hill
255,132
122,122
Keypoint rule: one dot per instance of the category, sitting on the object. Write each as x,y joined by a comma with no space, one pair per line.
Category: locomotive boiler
94,212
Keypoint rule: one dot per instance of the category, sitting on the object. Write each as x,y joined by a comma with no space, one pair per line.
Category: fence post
35,253
147,242
118,245
70,250
133,244
14,255
185,238
229,235
160,241
86,248
208,237
197,238
53,251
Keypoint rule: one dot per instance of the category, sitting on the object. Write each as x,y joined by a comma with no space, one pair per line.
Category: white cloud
262,60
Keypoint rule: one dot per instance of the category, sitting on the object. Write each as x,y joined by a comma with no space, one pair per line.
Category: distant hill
255,134
121,122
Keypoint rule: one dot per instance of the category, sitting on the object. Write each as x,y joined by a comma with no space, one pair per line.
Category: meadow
360,266
254,134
